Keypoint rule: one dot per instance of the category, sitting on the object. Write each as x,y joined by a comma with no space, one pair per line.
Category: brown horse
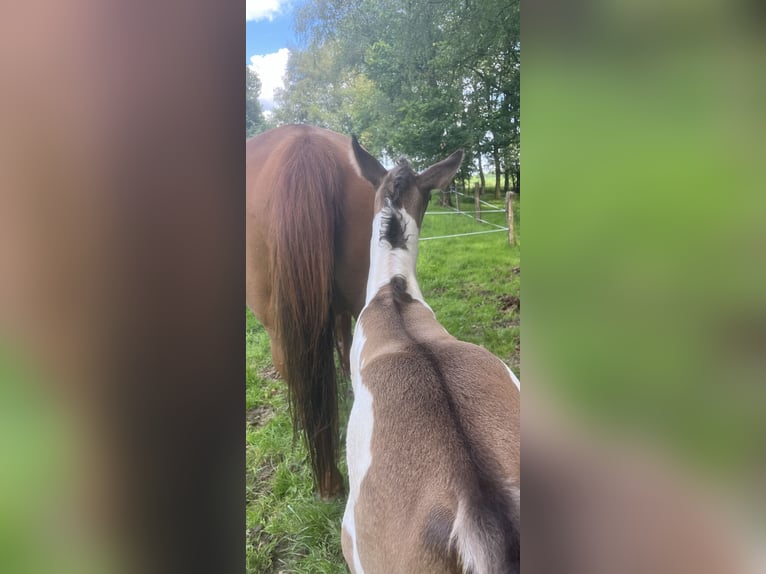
309,215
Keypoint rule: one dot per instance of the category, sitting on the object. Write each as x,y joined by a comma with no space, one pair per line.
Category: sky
269,40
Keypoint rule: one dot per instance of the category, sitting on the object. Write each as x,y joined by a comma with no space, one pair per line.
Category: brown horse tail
307,203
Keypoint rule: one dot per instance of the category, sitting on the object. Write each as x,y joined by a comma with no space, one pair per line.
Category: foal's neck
389,259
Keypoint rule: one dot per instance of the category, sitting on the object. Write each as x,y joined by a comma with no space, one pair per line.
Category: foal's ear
366,165
439,175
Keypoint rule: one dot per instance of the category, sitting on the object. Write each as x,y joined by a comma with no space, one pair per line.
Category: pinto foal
433,435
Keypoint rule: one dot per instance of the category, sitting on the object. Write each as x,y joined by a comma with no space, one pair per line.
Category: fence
476,214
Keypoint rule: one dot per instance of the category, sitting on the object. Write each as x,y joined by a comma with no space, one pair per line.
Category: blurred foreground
644,287
644,329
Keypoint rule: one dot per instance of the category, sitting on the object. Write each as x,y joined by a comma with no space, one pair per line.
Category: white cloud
271,70
262,9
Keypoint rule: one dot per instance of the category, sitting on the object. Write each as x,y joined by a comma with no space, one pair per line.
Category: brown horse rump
308,228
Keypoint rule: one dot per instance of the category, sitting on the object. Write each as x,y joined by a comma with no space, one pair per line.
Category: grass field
472,284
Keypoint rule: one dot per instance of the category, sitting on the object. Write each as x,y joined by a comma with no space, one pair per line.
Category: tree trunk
476,203
507,184
481,174
496,157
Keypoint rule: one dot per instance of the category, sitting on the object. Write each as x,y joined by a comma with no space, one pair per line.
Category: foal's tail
306,206
486,534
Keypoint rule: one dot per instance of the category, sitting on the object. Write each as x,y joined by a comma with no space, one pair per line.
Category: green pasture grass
472,284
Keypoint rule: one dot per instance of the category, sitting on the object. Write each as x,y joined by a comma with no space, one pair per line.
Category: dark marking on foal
399,290
393,229
404,179
401,179
437,531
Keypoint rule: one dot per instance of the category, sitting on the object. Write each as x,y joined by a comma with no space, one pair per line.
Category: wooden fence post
476,203
509,215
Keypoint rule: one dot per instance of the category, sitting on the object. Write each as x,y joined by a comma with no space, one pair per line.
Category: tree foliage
254,120
413,77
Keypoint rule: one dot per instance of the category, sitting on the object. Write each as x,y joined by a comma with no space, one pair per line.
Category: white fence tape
463,234
468,213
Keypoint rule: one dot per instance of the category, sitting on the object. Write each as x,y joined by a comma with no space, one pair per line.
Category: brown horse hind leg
343,341
277,356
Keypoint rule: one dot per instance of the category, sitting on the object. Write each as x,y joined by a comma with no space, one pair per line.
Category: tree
413,77
254,120
322,91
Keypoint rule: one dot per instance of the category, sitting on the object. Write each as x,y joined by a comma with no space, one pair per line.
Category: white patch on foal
514,378
358,439
386,261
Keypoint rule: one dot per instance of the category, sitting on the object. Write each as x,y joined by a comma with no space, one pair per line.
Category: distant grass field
472,284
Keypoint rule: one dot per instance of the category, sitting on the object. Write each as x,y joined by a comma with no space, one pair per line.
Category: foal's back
442,487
